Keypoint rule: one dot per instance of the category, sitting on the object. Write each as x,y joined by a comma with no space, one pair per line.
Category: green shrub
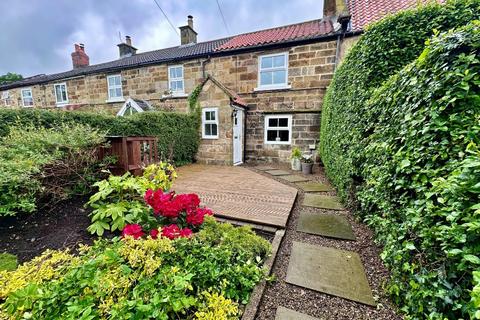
421,167
46,164
383,50
119,199
177,133
140,279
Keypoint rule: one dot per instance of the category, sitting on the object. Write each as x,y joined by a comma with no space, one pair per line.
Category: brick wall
310,71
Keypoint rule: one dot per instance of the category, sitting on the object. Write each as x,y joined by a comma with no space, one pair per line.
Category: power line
223,17
166,17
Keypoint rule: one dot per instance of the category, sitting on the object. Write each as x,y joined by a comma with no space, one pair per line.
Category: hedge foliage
177,133
47,165
383,50
422,176
204,277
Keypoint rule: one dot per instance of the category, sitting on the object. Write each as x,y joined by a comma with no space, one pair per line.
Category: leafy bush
383,50
177,133
119,199
421,166
46,164
142,279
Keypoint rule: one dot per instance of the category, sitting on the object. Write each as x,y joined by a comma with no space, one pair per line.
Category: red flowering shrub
134,230
177,215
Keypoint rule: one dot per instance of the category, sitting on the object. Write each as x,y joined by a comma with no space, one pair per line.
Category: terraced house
260,92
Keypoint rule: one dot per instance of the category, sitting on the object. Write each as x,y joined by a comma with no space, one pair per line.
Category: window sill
277,143
175,96
27,106
210,138
115,100
61,105
273,88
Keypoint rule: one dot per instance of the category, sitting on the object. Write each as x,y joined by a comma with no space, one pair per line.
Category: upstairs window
27,97
61,95
210,123
278,129
6,98
273,71
175,79
115,88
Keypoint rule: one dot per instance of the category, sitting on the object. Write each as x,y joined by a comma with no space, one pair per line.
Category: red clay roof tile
304,30
364,12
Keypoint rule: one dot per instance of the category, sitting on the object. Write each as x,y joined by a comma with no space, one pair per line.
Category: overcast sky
37,36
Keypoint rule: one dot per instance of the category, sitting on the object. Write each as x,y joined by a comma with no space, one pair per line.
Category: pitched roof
234,97
364,12
295,32
298,31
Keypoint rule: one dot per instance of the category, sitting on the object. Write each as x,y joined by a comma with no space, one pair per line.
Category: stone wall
310,71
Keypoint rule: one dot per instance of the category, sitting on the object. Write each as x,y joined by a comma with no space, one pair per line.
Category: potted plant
295,157
307,163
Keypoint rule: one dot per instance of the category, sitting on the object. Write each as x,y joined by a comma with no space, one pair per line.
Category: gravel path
320,305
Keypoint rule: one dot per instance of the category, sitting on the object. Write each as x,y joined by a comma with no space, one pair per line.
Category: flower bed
172,260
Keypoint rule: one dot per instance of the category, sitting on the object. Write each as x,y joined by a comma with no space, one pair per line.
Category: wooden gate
132,153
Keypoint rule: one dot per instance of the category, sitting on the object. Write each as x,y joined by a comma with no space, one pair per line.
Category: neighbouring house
261,92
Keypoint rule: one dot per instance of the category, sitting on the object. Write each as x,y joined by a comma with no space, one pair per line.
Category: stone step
322,201
294,178
314,187
332,271
328,225
288,314
278,172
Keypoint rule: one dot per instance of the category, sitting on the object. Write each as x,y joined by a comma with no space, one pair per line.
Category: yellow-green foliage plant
119,199
185,278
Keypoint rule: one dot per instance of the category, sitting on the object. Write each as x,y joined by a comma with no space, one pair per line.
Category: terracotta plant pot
296,164
307,168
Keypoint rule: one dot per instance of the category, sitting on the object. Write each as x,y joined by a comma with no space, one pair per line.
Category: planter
307,168
296,164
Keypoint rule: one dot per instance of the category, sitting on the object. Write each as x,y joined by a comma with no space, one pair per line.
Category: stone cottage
260,92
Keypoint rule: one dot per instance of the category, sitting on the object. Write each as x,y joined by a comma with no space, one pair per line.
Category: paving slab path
321,273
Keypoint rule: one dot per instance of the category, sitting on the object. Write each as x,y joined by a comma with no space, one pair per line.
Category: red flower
171,231
154,233
160,203
134,230
186,233
196,217
187,201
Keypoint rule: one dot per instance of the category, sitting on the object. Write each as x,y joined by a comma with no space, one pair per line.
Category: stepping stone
329,225
278,172
336,272
294,178
264,168
287,314
322,201
314,187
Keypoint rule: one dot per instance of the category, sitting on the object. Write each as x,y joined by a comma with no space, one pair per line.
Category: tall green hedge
177,133
421,177
383,50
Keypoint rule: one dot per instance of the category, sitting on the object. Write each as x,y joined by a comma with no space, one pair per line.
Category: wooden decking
238,193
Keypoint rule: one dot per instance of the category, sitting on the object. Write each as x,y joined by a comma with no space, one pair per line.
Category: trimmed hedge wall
177,133
422,177
383,50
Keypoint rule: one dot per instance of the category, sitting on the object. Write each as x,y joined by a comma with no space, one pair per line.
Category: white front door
238,137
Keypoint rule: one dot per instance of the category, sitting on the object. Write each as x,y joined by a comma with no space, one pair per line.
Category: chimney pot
79,58
128,40
126,49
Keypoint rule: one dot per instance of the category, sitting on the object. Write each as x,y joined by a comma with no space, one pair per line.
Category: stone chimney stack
79,58
126,49
187,33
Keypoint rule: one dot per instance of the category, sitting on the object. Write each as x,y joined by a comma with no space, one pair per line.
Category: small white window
115,92
175,79
61,95
210,123
278,129
273,71
6,98
27,97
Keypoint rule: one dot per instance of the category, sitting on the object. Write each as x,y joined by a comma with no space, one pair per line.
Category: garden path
238,193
